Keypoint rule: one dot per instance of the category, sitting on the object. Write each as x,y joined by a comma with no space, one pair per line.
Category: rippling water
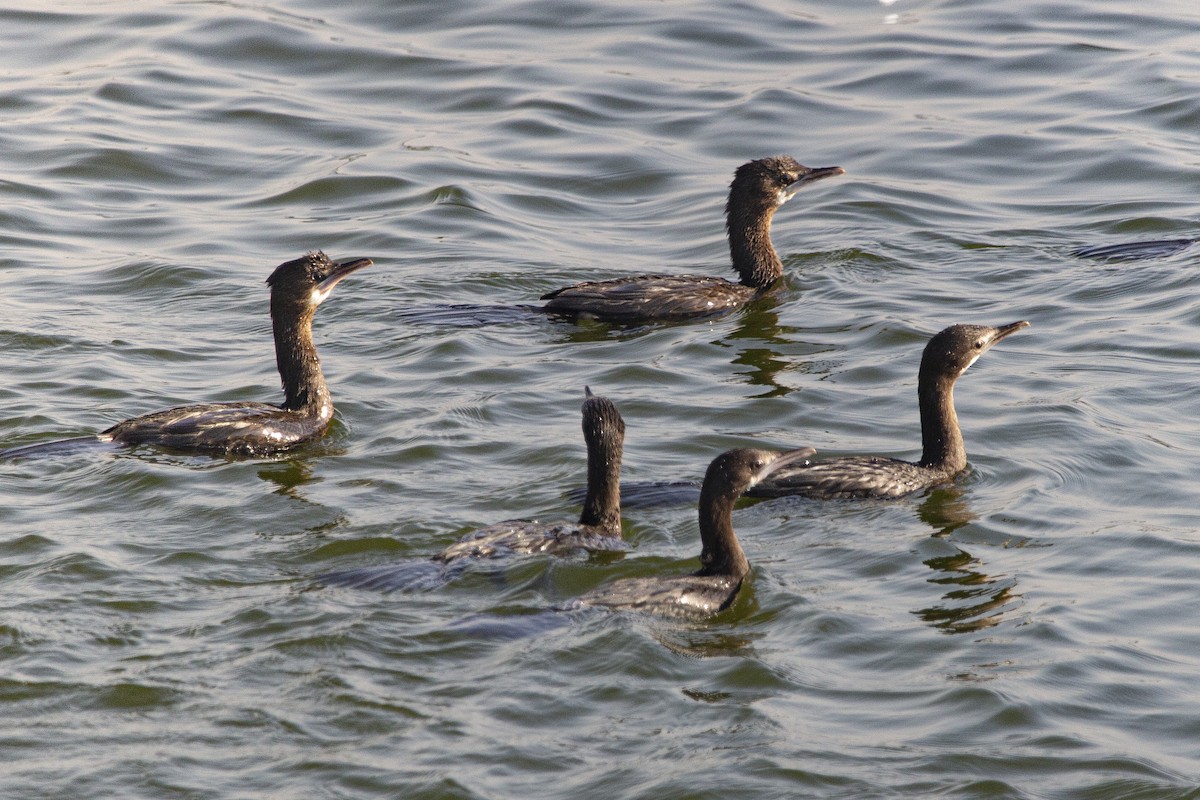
1025,634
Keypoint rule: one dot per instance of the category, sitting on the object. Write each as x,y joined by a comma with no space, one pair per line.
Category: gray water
1028,633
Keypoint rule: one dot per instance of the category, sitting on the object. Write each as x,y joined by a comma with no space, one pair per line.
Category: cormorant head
952,350
307,281
602,421
771,182
733,472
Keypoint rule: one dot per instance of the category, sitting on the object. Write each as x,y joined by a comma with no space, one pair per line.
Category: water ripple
1018,634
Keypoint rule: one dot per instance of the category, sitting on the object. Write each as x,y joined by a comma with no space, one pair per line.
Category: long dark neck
602,507
722,553
941,440
750,247
304,387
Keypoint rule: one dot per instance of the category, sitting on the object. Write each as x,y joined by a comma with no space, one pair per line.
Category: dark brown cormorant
599,526
758,189
943,456
252,428
723,564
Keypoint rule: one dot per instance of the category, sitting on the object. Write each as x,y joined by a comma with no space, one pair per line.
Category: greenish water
1029,633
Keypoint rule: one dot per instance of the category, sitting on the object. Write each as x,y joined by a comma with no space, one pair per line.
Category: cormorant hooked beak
983,345
341,270
814,174
1001,332
1010,328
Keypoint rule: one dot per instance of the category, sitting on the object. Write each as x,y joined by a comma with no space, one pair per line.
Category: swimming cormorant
252,428
723,564
943,456
599,526
758,189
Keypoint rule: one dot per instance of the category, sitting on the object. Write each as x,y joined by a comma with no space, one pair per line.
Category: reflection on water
974,600
945,509
289,474
759,323
702,639
705,644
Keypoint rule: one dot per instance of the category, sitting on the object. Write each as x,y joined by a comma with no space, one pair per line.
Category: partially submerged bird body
242,428
645,297
723,562
1134,251
947,355
298,287
599,525
686,596
529,537
759,188
855,477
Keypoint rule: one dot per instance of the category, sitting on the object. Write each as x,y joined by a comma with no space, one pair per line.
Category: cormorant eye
979,344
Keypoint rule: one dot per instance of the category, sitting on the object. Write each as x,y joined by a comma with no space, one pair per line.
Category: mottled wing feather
690,596
528,536
649,297
851,477
240,427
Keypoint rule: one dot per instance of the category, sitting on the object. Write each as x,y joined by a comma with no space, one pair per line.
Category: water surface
1028,633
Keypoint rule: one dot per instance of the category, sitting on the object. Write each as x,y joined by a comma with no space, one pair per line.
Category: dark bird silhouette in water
249,428
599,526
723,563
759,188
1134,251
943,456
